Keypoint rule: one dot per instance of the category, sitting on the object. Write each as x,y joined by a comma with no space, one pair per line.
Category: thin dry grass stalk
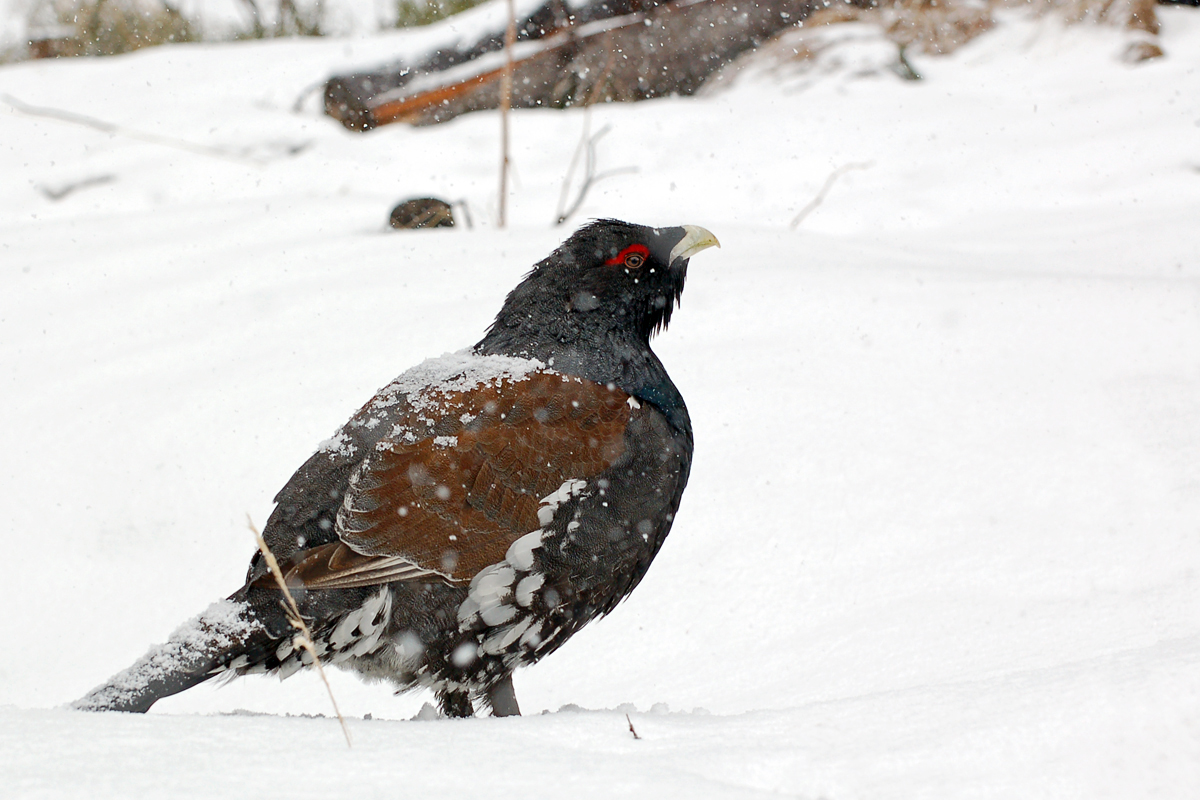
304,637
510,40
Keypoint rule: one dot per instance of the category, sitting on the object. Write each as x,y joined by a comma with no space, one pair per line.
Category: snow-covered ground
943,532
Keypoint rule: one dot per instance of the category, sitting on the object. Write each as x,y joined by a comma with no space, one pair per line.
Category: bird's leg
503,698
455,703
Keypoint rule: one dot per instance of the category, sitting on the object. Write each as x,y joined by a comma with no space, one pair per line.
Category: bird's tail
198,650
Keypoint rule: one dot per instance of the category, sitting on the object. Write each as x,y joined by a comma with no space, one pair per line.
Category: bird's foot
503,698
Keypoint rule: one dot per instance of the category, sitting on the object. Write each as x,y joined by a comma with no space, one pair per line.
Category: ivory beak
694,240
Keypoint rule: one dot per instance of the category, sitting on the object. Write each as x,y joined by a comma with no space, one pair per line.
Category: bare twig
117,130
631,730
904,69
586,149
833,176
587,144
466,212
70,188
510,39
293,614
309,91
580,148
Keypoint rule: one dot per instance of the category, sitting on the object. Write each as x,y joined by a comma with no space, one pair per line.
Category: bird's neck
603,356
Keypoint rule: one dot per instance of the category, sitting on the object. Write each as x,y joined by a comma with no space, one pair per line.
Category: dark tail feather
201,648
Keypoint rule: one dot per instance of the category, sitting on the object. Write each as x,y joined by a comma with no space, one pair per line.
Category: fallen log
348,98
568,57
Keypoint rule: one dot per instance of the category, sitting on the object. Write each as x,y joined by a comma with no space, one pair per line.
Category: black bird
481,508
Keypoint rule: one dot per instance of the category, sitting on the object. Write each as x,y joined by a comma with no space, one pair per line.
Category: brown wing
449,501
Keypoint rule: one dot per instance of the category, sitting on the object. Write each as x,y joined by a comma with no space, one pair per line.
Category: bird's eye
631,257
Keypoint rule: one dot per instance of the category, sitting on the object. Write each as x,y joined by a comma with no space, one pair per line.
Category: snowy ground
943,532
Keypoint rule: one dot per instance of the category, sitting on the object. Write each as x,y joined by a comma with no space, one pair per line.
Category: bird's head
609,277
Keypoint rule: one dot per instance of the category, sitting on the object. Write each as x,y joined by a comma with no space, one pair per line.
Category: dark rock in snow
422,212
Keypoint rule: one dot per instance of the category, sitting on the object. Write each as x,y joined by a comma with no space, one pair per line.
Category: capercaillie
482,507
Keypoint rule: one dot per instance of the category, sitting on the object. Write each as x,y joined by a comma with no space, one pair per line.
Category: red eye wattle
632,257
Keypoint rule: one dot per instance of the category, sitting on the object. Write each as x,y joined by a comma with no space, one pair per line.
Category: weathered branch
652,49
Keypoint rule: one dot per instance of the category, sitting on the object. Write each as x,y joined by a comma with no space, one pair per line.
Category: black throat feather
583,316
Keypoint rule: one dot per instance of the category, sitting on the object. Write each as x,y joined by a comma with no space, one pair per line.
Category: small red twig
631,730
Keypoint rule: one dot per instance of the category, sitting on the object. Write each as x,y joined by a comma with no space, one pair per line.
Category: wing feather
336,566
460,478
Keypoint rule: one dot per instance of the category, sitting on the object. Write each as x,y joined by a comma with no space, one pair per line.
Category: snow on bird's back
462,371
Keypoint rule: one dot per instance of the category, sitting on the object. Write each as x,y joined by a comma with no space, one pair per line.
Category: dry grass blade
510,40
293,614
